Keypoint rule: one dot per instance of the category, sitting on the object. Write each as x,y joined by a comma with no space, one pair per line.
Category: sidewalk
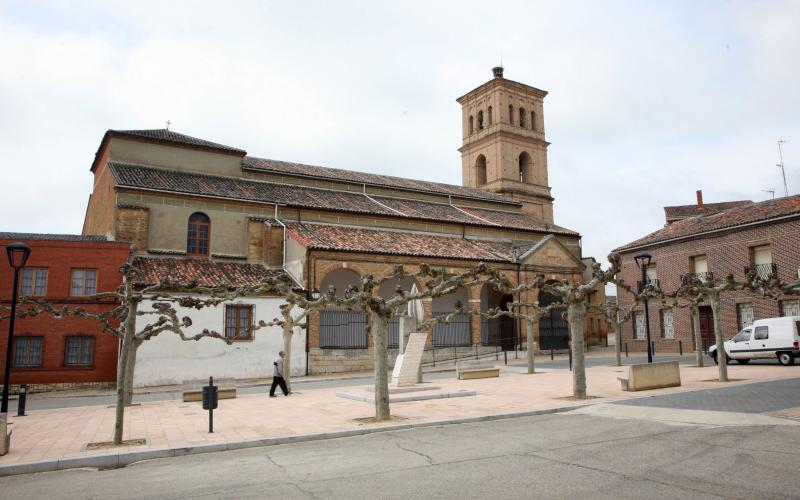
53,435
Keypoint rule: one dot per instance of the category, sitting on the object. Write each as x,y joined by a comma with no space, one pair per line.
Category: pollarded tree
380,311
614,317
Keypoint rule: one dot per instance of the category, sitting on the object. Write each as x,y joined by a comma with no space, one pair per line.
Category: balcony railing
688,278
653,282
763,271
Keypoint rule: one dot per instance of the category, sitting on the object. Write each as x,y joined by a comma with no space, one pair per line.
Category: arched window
511,114
480,170
471,126
490,115
533,120
480,120
198,237
522,117
525,169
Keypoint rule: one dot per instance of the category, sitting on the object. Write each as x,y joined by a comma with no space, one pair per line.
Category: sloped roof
165,135
352,176
208,273
683,211
764,211
51,237
351,239
142,177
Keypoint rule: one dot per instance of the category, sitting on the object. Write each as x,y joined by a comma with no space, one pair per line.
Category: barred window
239,322
34,281
84,282
79,351
667,330
638,325
744,313
790,308
28,351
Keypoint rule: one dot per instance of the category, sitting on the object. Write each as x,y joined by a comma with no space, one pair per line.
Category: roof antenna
783,171
770,191
168,124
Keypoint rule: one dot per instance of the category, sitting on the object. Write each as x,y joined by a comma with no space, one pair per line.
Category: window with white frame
34,281
790,308
638,325
744,314
667,330
84,282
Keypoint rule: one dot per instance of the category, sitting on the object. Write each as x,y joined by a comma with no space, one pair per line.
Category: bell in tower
504,150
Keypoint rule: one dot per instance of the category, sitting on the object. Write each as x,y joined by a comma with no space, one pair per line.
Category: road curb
114,460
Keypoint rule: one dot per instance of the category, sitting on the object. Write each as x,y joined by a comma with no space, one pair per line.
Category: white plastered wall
167,360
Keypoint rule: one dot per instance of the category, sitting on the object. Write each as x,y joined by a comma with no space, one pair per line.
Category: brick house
63,269
723,239
180,198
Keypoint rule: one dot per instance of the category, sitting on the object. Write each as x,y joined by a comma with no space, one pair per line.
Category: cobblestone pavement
761,397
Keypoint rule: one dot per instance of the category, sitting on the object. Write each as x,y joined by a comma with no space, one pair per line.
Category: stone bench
5,436
470,369
652,376
193,389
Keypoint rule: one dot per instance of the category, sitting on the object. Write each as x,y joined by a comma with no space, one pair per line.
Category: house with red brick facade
723,239
63,352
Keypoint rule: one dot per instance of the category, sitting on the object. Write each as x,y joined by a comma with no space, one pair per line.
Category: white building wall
166,359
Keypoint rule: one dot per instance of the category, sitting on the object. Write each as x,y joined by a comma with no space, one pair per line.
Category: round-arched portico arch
458,331
553,328
500,331
339,328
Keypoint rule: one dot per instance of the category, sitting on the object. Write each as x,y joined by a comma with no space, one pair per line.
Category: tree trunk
130,366
618,346
529,331
721,355
380,330
287,360
575,314
698,339
125,350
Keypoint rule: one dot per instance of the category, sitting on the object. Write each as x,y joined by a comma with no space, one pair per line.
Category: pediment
550,252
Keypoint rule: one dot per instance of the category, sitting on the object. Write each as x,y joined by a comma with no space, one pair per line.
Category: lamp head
314,294
642,260
18,254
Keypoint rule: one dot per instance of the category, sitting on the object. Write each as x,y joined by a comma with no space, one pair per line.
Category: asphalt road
549,456
65,400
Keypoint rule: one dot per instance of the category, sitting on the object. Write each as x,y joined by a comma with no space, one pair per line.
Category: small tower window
480,120
490,115
198,235
511,114
480,170
522,117
471,125
533,120
525,164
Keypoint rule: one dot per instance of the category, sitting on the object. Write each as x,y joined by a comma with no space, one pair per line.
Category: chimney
700,199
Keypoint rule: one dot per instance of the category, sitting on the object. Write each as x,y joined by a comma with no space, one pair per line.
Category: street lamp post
17,256
643,260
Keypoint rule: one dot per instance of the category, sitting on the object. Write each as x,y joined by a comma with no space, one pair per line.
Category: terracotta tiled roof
164,135
152,270
52,237
350,239
351,176
729,219
683,211
142,177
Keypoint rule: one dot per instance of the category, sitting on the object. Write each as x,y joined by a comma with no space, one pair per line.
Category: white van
765,338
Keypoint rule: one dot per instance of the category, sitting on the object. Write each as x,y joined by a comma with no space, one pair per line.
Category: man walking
277,376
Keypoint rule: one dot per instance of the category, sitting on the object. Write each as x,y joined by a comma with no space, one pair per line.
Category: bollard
23,396
551,353
680,347
505,355
433,354
476,351
496,353
455,354
626,349
570,358
653,347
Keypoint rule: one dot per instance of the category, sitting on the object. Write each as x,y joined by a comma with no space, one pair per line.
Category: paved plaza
48,435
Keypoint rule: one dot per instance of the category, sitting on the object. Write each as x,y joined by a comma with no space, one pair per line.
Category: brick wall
60,257
726,253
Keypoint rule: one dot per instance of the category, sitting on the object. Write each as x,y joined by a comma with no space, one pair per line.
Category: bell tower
504,150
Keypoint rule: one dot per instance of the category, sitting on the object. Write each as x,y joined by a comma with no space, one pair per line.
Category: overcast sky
648,101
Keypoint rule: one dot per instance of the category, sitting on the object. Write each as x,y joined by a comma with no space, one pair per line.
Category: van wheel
743,361
785,358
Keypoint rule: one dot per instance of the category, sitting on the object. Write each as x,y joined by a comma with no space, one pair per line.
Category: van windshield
742,336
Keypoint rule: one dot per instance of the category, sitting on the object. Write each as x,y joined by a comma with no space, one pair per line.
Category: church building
201,210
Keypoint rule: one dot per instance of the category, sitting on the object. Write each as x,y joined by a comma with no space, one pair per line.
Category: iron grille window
340,329
790,308
198,235
638,325
84,282
239,322
28,351
454,333
667,330
744,313
79,351
34,281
